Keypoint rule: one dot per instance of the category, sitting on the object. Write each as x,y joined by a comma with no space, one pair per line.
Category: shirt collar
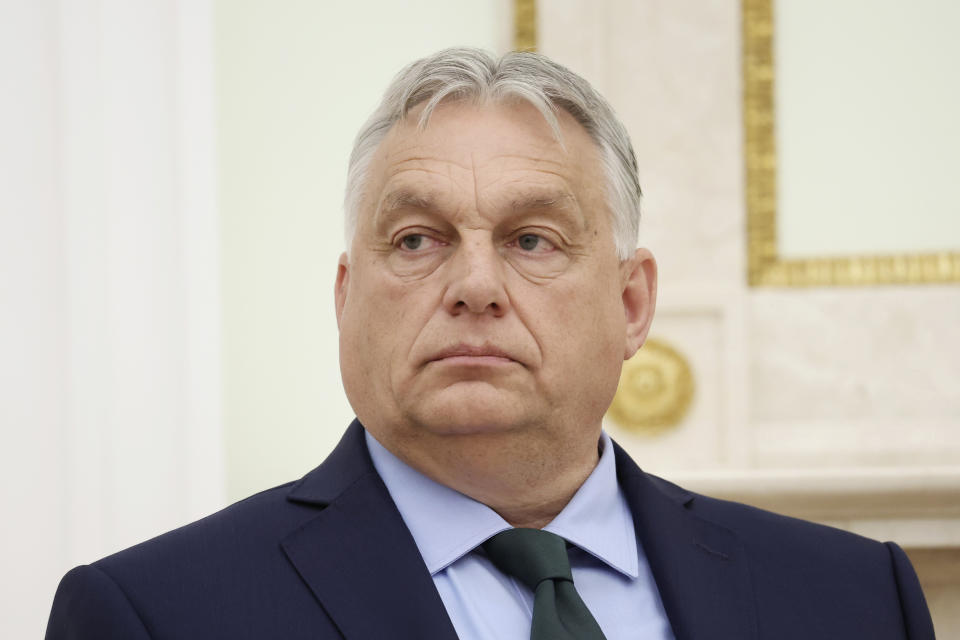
598,520
447,525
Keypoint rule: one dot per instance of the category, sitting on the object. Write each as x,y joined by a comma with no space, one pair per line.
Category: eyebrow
559,204
557,201
406,199
562,203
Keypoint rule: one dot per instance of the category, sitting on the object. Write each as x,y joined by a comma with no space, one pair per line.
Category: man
491,292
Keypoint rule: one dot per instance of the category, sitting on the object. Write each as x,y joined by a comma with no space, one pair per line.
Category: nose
476,283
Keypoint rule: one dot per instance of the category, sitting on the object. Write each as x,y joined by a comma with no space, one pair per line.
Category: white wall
868,139
32,326
109,297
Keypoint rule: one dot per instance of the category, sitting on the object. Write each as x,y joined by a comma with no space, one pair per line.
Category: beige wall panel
939,571
856,377
698,441
704,327
672,72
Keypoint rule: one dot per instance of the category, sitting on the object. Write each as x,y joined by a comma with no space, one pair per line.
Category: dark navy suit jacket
330,557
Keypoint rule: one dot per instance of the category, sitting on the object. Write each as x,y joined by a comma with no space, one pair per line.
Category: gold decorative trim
525,25
655,390
765,267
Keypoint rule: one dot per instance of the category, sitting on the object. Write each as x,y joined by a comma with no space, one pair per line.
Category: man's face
483,295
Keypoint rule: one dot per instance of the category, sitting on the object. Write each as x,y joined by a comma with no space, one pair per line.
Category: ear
639,279
342,285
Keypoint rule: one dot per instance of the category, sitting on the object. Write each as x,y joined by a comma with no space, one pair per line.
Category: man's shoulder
765,530
803,574
782,549
252,528
242,527
226,575
759,530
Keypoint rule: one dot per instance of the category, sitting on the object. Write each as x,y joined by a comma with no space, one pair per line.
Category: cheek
363,328
594,318
385,319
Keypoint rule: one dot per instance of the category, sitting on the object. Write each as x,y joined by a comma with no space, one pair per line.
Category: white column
110,301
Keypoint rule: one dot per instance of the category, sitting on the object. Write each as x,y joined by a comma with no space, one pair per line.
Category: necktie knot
530,555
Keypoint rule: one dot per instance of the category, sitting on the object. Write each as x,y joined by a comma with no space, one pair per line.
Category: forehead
502,150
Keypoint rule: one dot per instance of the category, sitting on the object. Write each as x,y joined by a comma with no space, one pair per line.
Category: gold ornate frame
525,25
765,267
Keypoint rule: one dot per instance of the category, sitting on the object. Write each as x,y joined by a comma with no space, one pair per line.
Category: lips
466,354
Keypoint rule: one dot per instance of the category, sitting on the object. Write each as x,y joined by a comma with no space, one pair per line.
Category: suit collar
348,462
699,566
358,557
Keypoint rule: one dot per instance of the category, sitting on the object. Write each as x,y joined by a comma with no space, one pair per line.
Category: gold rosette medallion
655,390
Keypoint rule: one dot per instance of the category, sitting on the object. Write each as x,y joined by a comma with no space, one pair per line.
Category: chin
475,409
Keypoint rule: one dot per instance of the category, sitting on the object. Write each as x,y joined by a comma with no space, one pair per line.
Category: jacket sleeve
916,615
88,605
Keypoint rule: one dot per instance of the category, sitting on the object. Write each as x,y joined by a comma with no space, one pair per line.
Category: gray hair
464,73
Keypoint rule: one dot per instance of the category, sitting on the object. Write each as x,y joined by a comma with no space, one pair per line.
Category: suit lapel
357,555
699,566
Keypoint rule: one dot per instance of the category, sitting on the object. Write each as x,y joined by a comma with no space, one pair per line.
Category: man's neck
526,484
535,516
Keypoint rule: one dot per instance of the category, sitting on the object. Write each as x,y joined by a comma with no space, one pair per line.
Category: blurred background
171,177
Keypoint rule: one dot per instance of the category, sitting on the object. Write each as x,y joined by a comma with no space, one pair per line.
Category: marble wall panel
672,72
855,376
704,327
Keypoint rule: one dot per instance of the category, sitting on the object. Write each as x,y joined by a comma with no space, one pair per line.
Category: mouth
469,355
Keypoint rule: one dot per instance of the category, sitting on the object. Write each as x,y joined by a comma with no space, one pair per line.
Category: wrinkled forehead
507,147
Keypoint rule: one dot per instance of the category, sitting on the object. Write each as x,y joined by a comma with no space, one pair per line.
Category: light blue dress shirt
610,570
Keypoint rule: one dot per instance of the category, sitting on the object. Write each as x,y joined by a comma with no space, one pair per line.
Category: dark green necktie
539,560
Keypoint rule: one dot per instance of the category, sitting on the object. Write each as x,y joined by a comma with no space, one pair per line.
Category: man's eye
413,241
531,242
528,241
